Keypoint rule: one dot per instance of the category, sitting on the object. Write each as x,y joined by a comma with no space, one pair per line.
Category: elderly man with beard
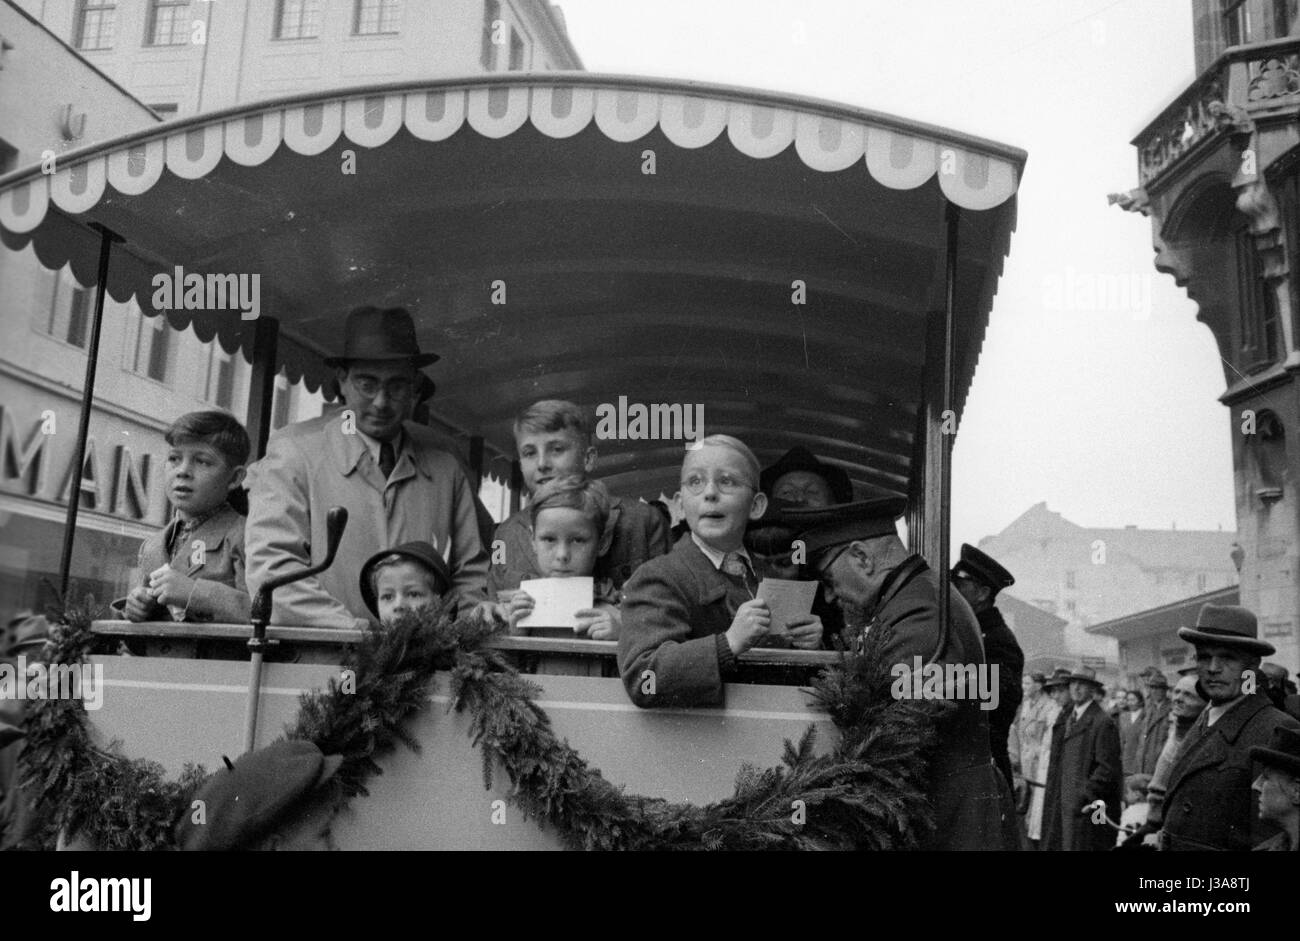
1209,804
1086,767
864,567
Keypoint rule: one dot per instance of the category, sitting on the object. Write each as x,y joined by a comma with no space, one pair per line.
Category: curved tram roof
667,287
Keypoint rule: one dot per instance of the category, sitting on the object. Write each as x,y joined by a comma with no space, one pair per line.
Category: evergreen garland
865,793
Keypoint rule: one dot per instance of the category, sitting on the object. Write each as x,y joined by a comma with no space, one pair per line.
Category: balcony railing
1262,78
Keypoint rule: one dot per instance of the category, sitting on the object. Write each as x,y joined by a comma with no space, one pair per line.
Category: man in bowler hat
856,552
979,578
1085,767
396,481
1209,804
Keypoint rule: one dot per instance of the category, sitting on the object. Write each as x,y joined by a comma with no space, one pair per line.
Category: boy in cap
1278,787
1209,803
688,615
402,580
554,438
392,475
979,578
863,565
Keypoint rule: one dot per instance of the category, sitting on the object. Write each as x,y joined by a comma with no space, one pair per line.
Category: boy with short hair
569,516
554,438
688,615
405,579
193,569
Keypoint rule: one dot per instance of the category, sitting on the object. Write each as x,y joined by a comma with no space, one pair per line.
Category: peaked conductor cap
824,528
982,567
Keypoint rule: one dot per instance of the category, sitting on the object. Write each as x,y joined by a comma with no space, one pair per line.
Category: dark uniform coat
1002,648
1130,737
972,805
1209,803
1152,738
1085,767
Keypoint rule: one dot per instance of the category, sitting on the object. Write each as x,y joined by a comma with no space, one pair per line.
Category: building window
516,52
1256,307
1284,16
221,377
487,56
297,19
1070,606
282,404
1201,580
95,24
1069,579
150,355
169,22
374,17
68,314
1236,22
167,110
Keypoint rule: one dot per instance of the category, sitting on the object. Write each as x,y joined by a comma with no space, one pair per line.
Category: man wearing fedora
1155,721
1056,688
1278,787
393,477
1085,767
1209,804
855,551
978,578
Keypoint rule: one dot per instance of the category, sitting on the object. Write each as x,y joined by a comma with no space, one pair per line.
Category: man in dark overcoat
979,578
864,567
1085,768
1155,721
1209,804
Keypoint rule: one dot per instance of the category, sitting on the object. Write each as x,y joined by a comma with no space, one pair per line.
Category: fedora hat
1151,676
1086,675
983,568
1282,752
420,552
1229,625
1060,677
381,333
800,458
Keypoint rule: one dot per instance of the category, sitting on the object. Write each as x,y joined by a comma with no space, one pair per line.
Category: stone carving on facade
1180,128
1274,78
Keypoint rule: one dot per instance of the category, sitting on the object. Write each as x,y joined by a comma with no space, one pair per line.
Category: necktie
736,566
387,459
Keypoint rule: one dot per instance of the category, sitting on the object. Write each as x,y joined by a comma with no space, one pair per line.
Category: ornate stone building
1218,175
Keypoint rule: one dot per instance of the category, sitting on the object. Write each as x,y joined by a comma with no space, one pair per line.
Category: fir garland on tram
865,793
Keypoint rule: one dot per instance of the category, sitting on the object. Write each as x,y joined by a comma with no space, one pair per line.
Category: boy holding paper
193,569
569,516
688,615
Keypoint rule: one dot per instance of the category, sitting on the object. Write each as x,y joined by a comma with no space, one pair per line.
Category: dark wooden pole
106,240
261,389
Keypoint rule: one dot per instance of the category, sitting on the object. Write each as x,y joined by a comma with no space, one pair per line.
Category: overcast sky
1107,411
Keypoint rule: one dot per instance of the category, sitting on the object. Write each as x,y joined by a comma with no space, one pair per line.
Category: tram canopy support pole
106,240
261,387
943,490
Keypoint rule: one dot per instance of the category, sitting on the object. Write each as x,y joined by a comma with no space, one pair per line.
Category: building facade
1087,575
75,72
1218,178
1150,638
